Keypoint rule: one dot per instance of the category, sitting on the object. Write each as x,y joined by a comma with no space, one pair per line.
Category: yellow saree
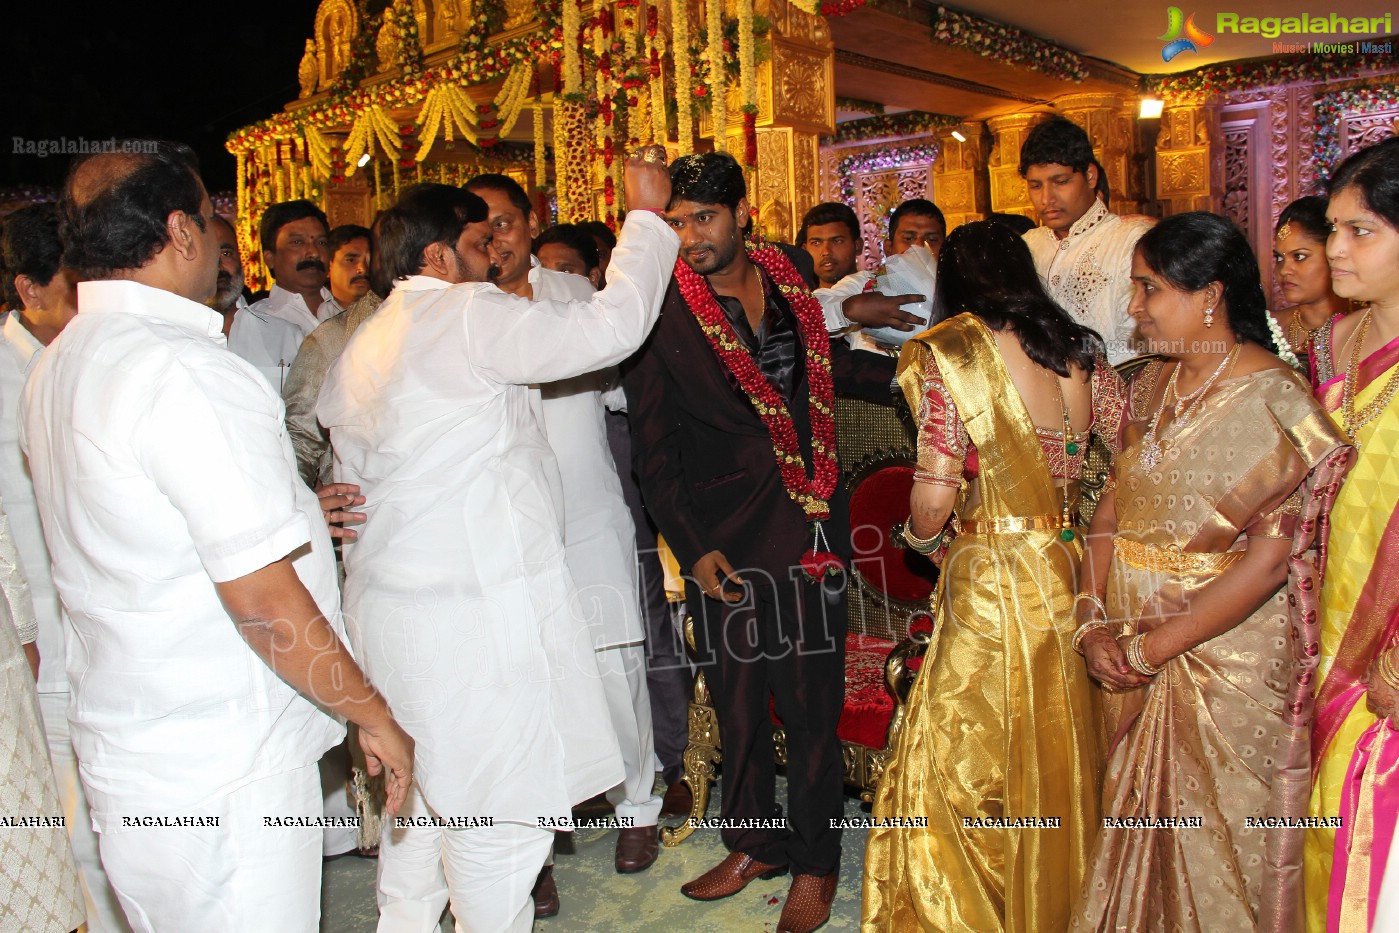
1207,773
1000,724
1359,619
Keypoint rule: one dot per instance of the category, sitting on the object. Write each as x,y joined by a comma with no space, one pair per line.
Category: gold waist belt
1008,526
1172,559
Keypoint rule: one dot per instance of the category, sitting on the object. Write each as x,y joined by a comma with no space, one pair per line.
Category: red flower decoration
817,565
811,493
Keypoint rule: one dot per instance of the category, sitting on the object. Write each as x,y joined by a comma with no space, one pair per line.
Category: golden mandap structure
915,99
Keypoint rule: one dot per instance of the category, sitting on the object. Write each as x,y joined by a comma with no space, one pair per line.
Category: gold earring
1209,317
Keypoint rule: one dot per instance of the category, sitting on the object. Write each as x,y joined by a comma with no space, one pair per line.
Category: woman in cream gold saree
999,748
1355,745
1199,603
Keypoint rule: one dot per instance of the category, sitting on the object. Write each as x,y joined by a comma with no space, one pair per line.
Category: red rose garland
811,493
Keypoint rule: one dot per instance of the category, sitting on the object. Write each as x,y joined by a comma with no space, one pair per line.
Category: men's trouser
239,876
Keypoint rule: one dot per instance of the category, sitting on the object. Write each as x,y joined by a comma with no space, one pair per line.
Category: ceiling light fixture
363,160
957,135
1150,109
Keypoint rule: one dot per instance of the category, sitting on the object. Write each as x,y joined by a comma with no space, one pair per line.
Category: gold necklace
1066,521
1298,337
1153,450
1351,420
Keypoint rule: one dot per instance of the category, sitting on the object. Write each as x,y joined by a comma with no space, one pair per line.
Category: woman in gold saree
1198,609
1355,744
999,748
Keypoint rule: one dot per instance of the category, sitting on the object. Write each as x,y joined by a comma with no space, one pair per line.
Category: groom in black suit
710,476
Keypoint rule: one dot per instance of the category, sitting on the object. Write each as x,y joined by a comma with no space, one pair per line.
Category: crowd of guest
372,565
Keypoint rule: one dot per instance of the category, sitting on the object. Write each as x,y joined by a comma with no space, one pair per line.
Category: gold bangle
924,546
1090,598
1136,657
1082,632
1384,666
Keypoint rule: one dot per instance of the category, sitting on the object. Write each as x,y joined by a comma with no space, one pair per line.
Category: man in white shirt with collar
1083,252
599,538
195,568
456,590
42,301
295,246
269,343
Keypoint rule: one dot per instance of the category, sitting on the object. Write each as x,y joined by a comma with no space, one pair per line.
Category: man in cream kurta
457,594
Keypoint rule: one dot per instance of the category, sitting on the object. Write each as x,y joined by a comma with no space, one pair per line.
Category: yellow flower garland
684,87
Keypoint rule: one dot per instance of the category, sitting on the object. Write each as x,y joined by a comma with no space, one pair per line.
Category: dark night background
156,68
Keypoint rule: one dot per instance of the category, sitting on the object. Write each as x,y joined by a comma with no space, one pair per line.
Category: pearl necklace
1153,450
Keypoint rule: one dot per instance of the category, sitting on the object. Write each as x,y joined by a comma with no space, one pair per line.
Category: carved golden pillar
961,182
1189,160
1008,193
796,107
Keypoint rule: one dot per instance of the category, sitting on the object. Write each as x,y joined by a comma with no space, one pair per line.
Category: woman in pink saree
1355,746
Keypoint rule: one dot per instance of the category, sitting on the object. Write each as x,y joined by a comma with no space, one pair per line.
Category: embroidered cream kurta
457,596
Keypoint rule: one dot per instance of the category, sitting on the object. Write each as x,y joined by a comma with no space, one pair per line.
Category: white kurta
291,307
269,343
599,539
457,596
1089,273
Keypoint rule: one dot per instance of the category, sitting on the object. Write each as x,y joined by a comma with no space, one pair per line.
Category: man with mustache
351,247
295,246
459,586
738,331
599,536
268,342
348,245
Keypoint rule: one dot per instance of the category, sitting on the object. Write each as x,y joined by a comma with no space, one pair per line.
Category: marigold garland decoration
655,52
684,71
571,167
510,102
748,81
572,35
373,125
541,156
446,109
719,116
812,493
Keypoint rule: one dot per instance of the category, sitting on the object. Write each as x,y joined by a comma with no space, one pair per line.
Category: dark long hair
986,270
1192,250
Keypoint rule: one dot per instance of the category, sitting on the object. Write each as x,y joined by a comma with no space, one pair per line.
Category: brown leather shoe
678,800
637,848
729,877
808,904
545,894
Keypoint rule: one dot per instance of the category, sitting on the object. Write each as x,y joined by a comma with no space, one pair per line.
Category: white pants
238,877
623,672
487,874
335,794
104,914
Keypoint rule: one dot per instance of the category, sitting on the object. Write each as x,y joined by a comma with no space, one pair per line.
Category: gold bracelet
924,546
1082,632
1137,658
1090,598
1384,666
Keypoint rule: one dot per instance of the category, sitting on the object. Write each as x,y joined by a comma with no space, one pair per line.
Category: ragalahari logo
1193,40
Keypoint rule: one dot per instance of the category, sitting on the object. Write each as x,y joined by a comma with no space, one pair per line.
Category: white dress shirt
599,538
162,466
269,343
18,351
1089,273
456,591
292,308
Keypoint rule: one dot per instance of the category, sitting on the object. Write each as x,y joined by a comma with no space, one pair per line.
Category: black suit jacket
705,460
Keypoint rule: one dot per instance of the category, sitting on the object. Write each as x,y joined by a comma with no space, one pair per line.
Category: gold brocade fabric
1220,735
1000,724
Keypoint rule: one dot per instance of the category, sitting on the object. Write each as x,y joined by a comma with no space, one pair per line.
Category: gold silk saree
999,750
1208,766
